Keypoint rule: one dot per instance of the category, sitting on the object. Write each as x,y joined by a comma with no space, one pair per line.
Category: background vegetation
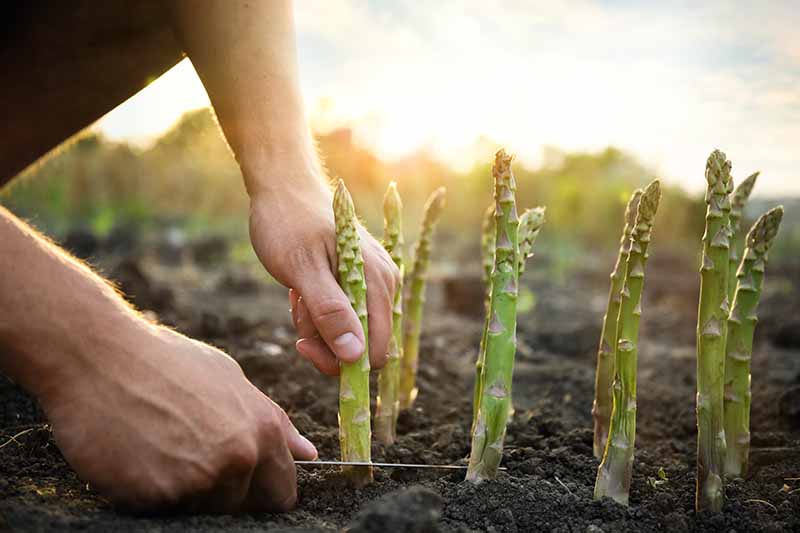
188,180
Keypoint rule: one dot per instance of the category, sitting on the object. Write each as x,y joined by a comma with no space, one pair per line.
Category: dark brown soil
550,467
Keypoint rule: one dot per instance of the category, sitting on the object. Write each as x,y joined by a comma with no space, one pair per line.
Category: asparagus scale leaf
388,405
614,472
530,223
416,299
712,329
501,340
738,201
739,348
354,415
604,377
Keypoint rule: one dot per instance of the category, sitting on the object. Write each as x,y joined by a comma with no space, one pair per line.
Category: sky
667,81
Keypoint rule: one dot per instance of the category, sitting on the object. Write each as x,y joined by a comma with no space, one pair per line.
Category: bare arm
125,396
244,51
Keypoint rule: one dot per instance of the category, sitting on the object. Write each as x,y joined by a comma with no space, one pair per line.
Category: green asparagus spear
738,201
614,472
354,417
487,255
741,325
388,406
416,299
530,223
712,329
487,250
501,340
604,377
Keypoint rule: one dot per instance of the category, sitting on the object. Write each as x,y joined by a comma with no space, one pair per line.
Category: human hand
293,234
157,421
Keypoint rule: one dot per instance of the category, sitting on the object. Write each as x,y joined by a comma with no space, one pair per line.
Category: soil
550,469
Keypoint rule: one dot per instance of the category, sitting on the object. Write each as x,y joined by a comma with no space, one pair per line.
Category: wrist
283,173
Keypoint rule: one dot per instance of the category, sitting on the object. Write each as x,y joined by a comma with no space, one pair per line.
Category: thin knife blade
380,465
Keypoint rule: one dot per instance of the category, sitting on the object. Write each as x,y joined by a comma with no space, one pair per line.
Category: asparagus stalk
487,250
712,329
416,299
739,348
530,223
487,255
388,406
501,339
354,417
614,472
738,201
604,377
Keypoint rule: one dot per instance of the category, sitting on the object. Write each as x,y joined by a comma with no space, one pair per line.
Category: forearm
245,55
51,308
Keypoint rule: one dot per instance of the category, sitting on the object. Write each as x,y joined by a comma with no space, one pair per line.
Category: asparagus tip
648,203
744,189
765,229
392,204
435,204
342,202
718,170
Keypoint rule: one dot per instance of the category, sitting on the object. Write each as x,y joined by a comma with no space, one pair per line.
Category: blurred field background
186,184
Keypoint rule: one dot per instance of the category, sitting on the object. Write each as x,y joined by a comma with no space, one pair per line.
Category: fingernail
348,347
300,347
311,450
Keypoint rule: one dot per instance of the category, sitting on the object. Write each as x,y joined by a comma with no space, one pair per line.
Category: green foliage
189,175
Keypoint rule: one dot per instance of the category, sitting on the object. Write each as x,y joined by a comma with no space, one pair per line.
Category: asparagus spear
416,299
738,201
601,409
530,223
487,250
487,255
739,348
712,329
614,472
388,406
354,417
501,339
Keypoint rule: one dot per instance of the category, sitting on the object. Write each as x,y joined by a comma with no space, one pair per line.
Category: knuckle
329,311
241,455
272,425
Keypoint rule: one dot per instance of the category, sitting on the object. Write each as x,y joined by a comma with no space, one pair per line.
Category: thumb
332,315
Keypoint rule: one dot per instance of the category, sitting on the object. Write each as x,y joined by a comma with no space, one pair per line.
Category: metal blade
380,465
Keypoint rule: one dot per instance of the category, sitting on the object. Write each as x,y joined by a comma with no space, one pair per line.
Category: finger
273,486
300,447
303,323
293,305
331,313
379,310
315,350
